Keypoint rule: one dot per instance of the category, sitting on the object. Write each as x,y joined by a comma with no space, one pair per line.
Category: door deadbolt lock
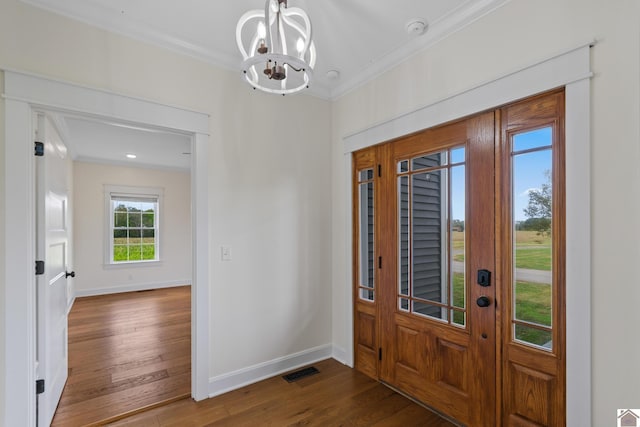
484,278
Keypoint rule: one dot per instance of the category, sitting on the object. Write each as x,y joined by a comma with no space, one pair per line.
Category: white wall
269,164
2,252
269,195
516,35
92,277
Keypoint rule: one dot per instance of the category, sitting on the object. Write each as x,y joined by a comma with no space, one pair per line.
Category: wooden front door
441,310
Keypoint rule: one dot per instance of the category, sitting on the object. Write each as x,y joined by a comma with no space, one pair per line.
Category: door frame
27,93
572,70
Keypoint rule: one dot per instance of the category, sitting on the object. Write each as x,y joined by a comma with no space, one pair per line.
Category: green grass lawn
533,300
135,250
530,258
458,298
457,239
533,257
533,304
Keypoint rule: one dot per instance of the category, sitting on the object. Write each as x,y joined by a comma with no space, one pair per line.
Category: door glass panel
539,138
403,166
458,215
366,238
532,198
427,220
366,175
538,337
403,224
428,161
429,310
457,155
431,238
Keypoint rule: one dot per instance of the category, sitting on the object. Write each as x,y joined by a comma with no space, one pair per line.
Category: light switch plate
225,253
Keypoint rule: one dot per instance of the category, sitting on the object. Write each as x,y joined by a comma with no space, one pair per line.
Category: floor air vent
302,373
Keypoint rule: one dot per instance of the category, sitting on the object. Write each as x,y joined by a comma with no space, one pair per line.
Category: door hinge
39,386
379,262
380,353
39,268
38,149
379,171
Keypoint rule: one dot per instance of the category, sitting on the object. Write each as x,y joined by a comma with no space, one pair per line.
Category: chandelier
277,51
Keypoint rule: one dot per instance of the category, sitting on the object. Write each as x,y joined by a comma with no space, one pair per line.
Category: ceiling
358,38
92,140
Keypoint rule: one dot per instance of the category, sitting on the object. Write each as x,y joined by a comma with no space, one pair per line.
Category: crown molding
106,19
449,24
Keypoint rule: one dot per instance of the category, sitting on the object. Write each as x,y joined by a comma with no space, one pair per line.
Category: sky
529,169
529,172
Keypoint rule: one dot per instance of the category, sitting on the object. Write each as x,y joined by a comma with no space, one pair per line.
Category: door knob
67,274
483,301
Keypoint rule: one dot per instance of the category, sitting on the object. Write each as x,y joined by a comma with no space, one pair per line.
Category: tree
457,225
538,211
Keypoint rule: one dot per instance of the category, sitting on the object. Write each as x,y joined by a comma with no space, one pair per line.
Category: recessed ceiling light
131,156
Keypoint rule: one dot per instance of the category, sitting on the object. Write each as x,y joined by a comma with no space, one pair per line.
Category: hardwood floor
337,396
126,352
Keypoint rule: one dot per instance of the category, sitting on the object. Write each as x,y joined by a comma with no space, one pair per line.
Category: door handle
67,274
483,301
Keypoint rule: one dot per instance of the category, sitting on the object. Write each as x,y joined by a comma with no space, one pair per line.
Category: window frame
131,192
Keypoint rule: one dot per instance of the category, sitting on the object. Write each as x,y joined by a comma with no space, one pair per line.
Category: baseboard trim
233,380
130,288
340,355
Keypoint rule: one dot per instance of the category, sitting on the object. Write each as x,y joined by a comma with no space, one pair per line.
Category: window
431,229
133,215
366,239
533,234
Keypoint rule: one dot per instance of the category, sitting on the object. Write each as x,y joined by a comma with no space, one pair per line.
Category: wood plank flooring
337,396
126,352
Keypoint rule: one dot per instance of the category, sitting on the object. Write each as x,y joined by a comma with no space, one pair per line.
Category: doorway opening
24,95
129,226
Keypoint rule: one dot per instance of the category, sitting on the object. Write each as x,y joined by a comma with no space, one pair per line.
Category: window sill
132,264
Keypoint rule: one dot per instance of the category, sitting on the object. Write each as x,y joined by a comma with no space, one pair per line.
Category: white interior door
53,231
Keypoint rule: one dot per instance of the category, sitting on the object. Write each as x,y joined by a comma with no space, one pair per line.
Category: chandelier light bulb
261,31
280,37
